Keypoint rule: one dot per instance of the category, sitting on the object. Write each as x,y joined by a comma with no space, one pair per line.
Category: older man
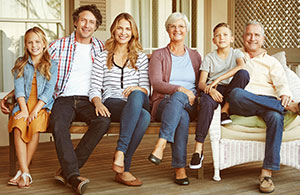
267,95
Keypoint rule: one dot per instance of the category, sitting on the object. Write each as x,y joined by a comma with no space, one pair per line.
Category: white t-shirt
79,81
216,66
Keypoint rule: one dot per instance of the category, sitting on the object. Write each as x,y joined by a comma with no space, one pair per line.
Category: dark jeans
134,118
271,111
208,105
175,113
66,110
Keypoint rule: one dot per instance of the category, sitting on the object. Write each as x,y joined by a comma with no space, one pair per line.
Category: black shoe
196,161
79,184
154,159
59,178
225,119
184,181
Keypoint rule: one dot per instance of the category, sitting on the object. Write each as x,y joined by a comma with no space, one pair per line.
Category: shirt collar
73,39
258,56
30,61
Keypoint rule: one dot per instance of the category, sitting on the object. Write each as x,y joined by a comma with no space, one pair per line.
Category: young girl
34,81
119,90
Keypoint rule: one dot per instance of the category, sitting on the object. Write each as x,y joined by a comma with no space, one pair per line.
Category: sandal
24,176
13,181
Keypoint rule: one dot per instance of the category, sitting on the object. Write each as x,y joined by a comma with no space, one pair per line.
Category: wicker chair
233,144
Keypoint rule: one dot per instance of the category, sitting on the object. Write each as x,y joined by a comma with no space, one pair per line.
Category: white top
106,83
216,66
79,81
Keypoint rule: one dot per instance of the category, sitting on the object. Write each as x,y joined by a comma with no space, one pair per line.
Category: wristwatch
298,112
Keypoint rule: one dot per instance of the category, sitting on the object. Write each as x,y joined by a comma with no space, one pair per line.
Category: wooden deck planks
241,179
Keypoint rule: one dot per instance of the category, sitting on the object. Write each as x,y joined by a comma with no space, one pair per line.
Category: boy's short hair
92,8
222,24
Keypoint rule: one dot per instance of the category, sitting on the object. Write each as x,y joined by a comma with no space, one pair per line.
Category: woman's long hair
133,47
45,62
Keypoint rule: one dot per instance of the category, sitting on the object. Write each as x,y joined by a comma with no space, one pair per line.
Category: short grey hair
254,22
177,16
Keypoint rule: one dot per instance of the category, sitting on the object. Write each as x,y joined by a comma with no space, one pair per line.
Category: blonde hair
45,62
133,47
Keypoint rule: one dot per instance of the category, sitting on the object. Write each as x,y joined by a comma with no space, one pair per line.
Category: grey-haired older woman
174,74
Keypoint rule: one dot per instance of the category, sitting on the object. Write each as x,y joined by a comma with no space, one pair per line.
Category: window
16,16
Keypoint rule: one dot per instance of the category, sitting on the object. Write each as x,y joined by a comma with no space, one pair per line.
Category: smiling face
222,37
34,45
123,32
85,27
177,30
253,38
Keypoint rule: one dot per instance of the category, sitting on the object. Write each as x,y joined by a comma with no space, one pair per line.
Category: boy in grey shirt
215,83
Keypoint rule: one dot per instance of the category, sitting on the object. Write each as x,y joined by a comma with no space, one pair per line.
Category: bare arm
3,103
130,89
34,113
240,65
202,81
24,111
217,96
100,108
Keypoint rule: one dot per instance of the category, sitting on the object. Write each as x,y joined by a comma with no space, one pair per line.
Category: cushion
256,121
237,132
293,79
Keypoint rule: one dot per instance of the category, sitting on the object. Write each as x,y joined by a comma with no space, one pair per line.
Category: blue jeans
175,112
271,111
134,118
66,110
208,105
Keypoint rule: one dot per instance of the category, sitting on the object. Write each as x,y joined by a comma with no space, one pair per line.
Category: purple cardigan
160,67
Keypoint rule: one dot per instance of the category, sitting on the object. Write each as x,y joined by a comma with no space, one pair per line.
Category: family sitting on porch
80,78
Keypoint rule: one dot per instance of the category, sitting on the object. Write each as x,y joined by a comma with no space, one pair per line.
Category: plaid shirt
62,51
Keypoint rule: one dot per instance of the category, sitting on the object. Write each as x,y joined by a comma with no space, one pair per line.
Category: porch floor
242,179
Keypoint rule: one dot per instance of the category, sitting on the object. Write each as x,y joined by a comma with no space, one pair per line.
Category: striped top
110,83
62,51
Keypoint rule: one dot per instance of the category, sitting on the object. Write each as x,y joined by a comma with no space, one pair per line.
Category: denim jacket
45,88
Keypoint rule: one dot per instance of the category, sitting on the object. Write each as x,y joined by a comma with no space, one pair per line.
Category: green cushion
256,121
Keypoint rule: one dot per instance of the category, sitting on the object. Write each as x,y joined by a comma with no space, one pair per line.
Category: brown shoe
135,182
266,184
59,177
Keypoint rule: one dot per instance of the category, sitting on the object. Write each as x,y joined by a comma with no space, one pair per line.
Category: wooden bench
81,127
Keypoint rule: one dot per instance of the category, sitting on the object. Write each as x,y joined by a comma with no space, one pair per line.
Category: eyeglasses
173,27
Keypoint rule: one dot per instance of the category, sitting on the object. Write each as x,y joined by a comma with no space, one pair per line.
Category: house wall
216,12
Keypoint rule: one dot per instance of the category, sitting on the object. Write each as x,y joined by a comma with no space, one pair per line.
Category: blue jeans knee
180,97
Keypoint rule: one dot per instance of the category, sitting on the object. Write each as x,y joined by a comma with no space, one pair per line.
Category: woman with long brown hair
119,90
